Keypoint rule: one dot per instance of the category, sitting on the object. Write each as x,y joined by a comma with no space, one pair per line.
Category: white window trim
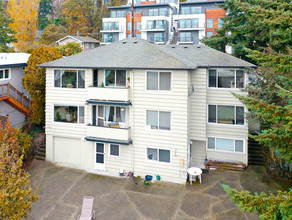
58,122
115,79
149,129
99,165
76,79
157,161
158,90
115,113
244,76
109,151
216,123
226,151
9,74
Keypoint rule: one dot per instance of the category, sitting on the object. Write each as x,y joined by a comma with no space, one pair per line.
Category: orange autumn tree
16,193
24,14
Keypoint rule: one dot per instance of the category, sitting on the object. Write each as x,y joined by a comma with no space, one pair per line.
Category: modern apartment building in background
163,21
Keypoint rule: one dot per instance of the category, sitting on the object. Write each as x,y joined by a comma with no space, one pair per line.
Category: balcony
108,132
112,30
192,27
109,93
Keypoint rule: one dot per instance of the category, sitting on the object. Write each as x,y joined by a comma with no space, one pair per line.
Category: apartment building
163,21
147,108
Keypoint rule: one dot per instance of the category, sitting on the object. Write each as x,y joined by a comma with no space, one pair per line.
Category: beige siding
198,105
175,140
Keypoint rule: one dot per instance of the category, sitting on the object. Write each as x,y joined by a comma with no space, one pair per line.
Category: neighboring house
86,43
14,104
146,108
164,21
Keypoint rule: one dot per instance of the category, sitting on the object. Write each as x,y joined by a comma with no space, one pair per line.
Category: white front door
99,156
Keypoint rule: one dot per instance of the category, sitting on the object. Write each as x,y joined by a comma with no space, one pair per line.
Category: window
223,144
114,150
155,24
159,80
109,26
153,12
158,37
4,74
115,78
69,78
107,38
163,12
222,114
210,23
185,37
226,78
115,114
220,23
138,25
158,120
113,14
195,22
138,35
69,114
158,155
185,10
121,14
196,10
209,33
129,26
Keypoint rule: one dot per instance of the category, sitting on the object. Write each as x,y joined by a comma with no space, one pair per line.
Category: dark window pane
240,115
99,148
211,143
212,113
121,77
109,77
226,79
239,79
1,74
152,80
225,114
212,78
6,73
99,158
164,156
165,81
94,114
114,150
164,120
81,79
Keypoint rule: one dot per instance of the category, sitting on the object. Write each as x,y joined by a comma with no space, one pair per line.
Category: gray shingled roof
135,53
86,39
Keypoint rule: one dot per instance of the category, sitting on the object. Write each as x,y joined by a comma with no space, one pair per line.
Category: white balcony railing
108,132
109,93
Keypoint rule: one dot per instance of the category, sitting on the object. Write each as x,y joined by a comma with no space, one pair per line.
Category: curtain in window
109,77
239,115
164,120
224,144
57,76
152,80
165,81
81,79
107,113
123,114
239,79
121,78
212,78
81,114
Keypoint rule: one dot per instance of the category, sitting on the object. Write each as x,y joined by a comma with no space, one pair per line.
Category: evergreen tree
254,24
6,34
272,207
34,80
45,10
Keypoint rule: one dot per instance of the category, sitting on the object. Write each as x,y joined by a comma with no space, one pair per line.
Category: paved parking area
62,189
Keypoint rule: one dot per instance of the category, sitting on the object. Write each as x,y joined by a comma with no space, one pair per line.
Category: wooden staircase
15,99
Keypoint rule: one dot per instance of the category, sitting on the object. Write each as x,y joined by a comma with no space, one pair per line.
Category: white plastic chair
87,213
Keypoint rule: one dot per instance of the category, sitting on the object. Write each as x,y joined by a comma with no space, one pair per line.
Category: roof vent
124,42
135,41
185,46
173,46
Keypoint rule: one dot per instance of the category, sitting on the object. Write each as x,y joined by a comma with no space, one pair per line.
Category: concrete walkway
62,189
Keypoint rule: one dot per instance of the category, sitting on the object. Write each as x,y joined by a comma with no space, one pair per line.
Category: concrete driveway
62,189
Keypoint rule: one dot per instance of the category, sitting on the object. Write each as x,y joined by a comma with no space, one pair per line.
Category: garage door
67,150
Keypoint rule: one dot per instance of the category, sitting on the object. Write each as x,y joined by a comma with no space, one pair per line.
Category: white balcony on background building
108,132
109,93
